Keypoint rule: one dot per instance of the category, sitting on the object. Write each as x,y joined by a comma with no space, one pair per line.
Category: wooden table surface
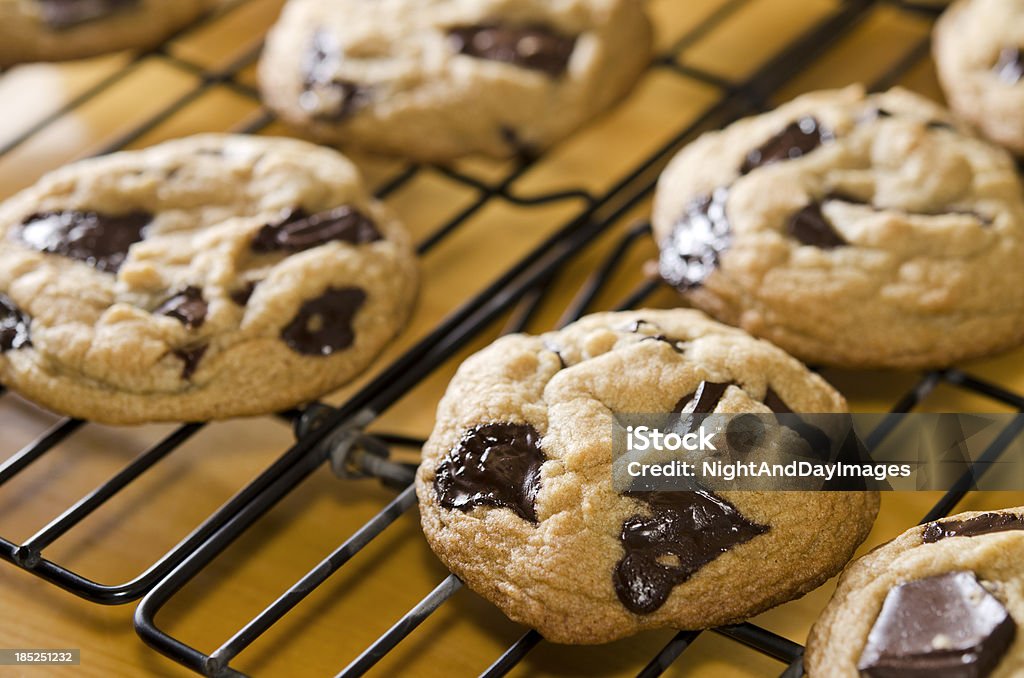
54,114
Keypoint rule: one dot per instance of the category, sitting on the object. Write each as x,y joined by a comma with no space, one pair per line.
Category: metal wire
322,432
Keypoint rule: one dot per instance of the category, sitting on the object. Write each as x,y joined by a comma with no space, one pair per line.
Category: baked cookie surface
516,493
850,229
942,599
979,52
204,278
438,79
57,30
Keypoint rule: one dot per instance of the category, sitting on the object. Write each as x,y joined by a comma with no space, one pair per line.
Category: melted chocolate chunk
58,14
187,306
14,326
191,358
301,231
494,465
701,403
684,532
691,253
324,325
243,295
798,139
817,440
986,523
704,400
811,227
537,48
708,394
324,94
1010,65
100,240
947,626
775,402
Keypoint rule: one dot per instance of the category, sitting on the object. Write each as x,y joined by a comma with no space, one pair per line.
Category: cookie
56,30
850,229
211,277
438,79
941,600
979,53
516,493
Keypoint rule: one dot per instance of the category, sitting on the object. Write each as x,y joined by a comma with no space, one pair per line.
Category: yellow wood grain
342,617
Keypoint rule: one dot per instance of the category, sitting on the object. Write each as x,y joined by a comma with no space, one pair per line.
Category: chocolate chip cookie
438,79
850,229
516,492
941,600
210,277
979,52
55,30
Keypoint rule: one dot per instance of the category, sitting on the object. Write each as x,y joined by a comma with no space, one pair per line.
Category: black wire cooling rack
334,435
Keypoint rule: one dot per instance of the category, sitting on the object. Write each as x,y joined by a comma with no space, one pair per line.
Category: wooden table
54,114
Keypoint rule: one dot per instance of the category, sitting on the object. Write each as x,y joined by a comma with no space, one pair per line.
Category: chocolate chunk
986,523
817,440
708,394
493,465
811,227
242,296
58,14
1009,67
692,251
704,400
947,626
300,231
187,306
325,95
191,358
798,139
537,48
100,240
324,325
684,532
700,403
14,326
775,403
